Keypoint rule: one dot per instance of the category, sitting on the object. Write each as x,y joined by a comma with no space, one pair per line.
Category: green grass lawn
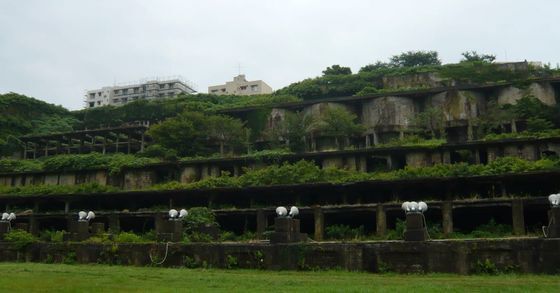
30,277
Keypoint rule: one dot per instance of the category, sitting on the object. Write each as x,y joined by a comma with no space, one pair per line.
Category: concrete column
114,223
262,223
142,142
380,220
33,225
66,207
447,217
518,218
319,218
35,207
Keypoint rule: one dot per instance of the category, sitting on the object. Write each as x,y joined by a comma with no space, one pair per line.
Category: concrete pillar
66,207
319,218
114,223
380,220
518,218
33,225
262,223
447,217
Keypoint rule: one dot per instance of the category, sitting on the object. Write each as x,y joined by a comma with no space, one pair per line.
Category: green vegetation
85,188
115,163
20,239
307,172
192,133
31,277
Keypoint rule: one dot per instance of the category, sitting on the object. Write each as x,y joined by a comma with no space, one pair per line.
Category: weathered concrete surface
67,179
524,255
138,179
387,112
426,80
190,174
275,118
316,110
458,105
543,91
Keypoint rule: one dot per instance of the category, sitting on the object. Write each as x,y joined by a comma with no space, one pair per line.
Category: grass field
29,277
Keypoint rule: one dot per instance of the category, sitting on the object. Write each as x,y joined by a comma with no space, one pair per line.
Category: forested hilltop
195,118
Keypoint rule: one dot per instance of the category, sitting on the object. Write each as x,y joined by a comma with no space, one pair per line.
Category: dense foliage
115,163
193,133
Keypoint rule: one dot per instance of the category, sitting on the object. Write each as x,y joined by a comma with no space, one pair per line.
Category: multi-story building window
240,86
120,95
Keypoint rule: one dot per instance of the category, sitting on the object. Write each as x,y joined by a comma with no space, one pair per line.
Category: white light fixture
414,207
82,216
8,217
281,211
173,214
554,199
85,217
183,213
294,211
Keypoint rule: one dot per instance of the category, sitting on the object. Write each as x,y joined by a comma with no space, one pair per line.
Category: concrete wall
540,90
525,255
458,105
139,179
428,79
387,112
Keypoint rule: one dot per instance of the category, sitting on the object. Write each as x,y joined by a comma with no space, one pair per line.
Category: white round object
422,206
11,216
173,213
294,211
90,216
413,206
404,205
5,216
183,213
82,215
281,211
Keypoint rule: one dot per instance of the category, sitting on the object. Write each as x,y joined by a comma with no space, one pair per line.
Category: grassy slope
83,278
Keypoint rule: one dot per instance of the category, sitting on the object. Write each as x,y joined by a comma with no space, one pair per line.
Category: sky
56,50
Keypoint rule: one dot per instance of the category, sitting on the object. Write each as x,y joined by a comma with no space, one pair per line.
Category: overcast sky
56,50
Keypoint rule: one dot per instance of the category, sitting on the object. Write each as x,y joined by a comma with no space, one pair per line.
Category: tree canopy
337,70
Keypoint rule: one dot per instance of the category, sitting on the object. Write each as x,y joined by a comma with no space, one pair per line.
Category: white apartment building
240,86
149,90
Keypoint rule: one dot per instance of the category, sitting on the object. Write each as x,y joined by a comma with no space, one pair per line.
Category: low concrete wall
524,255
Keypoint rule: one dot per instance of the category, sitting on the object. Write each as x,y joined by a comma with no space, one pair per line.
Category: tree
379,65
293,130
431,120
190,133
340,124
226,131
415,58
473,56
337,70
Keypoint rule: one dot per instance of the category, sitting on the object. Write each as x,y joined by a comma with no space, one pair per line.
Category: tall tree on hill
339,123
415,58
337,70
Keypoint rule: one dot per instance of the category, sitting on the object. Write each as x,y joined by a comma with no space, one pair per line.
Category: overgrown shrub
128,237
20,239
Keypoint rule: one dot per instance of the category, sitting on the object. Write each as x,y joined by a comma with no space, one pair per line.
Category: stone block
415,228
287,230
